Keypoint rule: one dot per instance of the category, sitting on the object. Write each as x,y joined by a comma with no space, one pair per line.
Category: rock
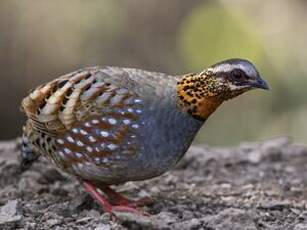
52,222
10,213
161,221
59,228
103,227
134,221
302,226
230,219
274,205
255,157
188,224
165,217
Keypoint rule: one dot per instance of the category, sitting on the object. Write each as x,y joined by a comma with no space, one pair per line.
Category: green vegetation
213,33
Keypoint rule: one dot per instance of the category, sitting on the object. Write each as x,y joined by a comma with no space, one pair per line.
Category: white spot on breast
75,130
66,150
70,139
95,121
80,143
79,155
104,133
89,149
126,121
112,121
112,146
92,139
60,141
105,160
97,149
87,124
135,126
137,100
83,132
97,159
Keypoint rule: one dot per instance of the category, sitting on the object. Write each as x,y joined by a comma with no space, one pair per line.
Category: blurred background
40,40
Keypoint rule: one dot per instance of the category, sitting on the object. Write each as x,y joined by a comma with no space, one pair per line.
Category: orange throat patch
198,95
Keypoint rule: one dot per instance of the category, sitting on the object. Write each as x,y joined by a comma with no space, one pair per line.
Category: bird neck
199,95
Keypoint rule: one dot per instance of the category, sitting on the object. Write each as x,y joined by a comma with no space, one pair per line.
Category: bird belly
145,165
146,153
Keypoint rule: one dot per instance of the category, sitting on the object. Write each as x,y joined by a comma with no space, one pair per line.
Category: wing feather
56,106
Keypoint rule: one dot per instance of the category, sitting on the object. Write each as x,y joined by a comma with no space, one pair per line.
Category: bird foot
122,205
133,203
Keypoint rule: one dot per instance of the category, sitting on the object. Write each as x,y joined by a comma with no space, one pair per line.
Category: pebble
302,226
52,222
10,213
103,227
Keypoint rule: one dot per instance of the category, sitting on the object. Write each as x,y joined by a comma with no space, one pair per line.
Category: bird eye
237,74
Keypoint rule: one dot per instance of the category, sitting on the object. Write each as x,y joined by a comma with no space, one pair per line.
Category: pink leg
118,199
104,203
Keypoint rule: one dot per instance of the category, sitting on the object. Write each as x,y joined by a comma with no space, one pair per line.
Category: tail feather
27,155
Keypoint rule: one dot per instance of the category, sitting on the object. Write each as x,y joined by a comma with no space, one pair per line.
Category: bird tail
27,155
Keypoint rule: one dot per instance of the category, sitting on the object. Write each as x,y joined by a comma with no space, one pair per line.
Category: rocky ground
254,186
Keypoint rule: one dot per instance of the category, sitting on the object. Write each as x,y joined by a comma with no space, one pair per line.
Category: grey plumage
162,132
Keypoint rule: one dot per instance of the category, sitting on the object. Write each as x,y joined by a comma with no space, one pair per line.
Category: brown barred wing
92,121
52,106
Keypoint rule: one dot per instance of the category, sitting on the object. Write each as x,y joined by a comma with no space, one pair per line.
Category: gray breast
166,132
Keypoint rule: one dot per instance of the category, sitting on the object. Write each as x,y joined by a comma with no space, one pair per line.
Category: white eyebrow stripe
247,68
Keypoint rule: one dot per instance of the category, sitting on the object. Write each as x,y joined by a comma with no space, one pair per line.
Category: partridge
111,125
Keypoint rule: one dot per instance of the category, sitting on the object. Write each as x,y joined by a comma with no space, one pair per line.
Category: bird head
201,94
235,76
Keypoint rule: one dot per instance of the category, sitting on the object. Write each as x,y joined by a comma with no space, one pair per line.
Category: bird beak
260,84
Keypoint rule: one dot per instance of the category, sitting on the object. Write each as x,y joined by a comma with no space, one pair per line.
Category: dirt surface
254,186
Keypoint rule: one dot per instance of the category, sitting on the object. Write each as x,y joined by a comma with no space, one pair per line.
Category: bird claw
134,204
